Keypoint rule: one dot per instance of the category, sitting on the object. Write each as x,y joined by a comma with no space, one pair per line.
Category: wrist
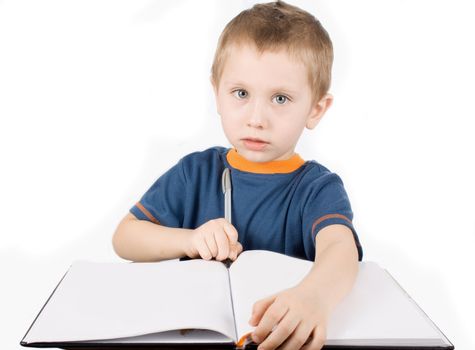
188,246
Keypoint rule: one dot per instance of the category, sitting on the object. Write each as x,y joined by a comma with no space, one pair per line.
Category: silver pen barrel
227,189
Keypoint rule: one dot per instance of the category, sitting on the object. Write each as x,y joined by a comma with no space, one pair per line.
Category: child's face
265,102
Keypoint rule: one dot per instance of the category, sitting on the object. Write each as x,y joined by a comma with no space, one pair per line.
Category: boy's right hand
214,239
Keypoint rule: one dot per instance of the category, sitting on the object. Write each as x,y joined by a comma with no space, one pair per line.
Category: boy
270,77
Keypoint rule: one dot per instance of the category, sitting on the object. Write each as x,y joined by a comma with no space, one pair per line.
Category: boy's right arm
141,240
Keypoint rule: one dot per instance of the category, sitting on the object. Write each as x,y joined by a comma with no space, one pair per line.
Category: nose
257,117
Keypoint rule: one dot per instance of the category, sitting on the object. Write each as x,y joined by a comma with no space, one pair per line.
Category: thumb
239,248
260,308
235,250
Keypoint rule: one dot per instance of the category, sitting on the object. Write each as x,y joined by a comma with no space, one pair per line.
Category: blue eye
241,93
281,99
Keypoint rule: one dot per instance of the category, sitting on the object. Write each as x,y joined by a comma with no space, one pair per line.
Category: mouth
254,144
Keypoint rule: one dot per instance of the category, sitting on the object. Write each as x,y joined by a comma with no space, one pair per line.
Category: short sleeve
327,204
163,203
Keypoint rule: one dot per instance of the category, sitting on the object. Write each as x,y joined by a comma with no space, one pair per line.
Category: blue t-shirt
278,206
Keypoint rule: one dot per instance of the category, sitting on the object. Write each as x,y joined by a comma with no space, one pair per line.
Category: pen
227,189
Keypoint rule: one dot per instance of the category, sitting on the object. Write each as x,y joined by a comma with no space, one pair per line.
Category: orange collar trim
273,167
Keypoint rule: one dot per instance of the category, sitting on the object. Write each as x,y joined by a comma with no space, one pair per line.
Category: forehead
245,65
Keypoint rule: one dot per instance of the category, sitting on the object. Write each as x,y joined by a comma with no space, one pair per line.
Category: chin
257,157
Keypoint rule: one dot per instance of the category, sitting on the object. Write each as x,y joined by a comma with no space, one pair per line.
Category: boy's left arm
300,314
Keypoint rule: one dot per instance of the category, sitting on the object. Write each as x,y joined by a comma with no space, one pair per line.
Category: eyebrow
279,88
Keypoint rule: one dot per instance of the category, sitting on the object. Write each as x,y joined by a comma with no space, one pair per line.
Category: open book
174,303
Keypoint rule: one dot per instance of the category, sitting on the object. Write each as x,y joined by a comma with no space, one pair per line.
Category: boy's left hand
290,319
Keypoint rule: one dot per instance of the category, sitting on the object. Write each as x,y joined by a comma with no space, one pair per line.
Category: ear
213,84
318,110
215,90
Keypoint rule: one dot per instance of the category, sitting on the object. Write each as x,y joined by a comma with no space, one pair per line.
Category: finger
269,320
317,340
210,242
231,232
235,251
222,243
259,308
239,248
203,250
232,253
298,338
282,332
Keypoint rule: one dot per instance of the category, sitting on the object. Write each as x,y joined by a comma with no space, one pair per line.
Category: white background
98,98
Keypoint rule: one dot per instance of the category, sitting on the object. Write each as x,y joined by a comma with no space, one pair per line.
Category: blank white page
177,337
113,300
376,311
257,274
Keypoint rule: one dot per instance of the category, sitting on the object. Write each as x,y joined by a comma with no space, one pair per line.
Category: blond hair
274,26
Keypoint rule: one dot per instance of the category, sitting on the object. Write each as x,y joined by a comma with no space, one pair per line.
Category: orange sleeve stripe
147,213
329,216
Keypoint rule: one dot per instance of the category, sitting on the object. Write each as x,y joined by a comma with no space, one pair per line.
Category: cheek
292,132
230,125
231,113
291,128
227,107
